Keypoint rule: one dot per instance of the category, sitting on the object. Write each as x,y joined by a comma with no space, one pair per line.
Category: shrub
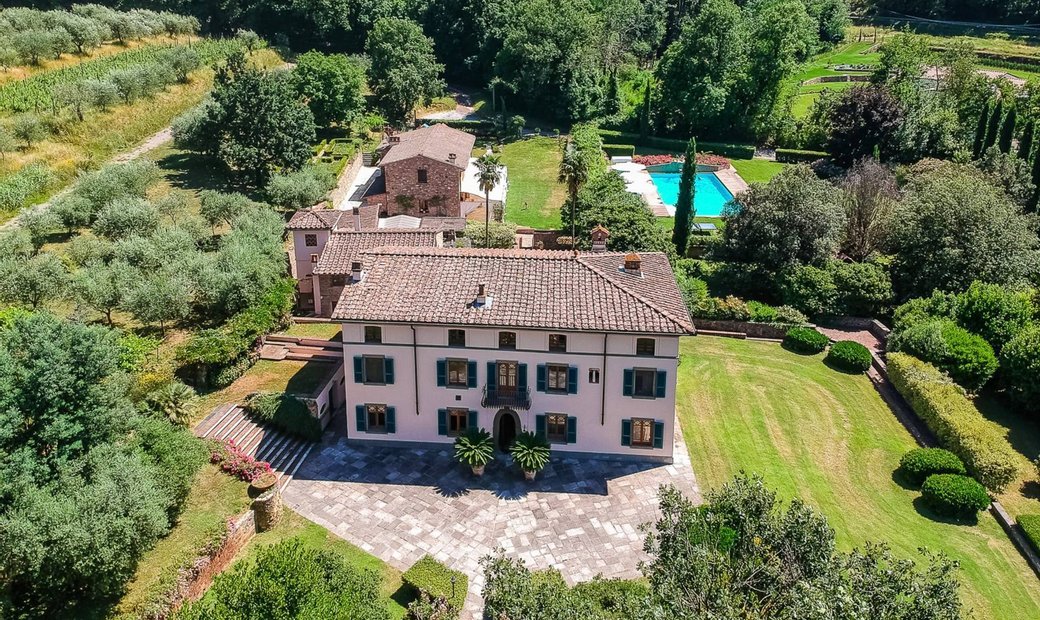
234,461
762,313
920,463
284,411
432,578
966,357
939,305
953,495
850,356
619,150
994,312
790,316
796,156
1030,525
1020,367
809,289
863,289
174,401
728,309
956,422
176,454
805,340
530,451
738,151
300,189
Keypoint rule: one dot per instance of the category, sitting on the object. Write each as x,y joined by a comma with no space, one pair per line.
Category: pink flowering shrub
711,159
235,462
654,160
708,159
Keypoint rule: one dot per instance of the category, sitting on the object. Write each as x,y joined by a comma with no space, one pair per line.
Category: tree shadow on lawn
194,172
925,511
1023,431
845,371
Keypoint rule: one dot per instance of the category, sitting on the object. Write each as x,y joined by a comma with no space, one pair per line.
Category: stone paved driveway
581,516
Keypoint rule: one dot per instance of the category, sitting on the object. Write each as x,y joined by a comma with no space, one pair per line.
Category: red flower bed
708,159
711,159
653,160
235,462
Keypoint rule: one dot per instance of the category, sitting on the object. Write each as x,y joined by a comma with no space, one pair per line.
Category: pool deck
638,181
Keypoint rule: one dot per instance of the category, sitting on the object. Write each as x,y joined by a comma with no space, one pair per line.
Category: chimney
633,264
599,236
355,271
357,218
451,158
481,295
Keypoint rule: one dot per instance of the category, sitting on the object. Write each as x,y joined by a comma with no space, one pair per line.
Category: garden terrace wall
193,581
771,331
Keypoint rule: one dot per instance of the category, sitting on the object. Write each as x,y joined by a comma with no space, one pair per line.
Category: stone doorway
507,425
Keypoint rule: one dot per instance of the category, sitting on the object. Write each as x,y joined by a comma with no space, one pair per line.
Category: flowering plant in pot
531,453
475,449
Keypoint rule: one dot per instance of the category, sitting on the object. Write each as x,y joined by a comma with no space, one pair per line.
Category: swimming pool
709,196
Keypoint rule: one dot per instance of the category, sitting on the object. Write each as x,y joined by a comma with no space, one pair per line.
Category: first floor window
645,384
556,427
458,421
373,334
374,369
506,340
376,418
646,347
556,377
557,343
456,337
642,432
458,373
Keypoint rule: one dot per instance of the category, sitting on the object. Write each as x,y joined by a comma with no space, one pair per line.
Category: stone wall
439,196
752,330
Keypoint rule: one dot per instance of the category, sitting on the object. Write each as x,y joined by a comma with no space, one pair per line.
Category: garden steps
279,347
285,453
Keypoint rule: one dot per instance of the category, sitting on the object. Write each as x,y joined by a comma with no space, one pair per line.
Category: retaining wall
771,331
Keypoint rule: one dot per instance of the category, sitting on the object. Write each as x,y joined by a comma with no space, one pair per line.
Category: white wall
599,408
302,254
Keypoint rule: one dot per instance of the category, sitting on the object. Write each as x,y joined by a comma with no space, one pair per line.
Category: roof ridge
687,325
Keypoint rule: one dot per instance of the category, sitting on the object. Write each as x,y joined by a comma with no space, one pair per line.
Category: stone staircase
279,347
284,452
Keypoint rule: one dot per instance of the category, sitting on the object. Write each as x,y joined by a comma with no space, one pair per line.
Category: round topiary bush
953,495
805,340
849,356
920,463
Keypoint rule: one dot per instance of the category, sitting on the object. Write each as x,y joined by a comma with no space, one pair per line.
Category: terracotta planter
529,475
263,484
478,470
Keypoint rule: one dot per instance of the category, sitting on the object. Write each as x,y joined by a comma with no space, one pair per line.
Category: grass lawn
757,170
267,376
830,439
1023,432
534,197
325,331
213,499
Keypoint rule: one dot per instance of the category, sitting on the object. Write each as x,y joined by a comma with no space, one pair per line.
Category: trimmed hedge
920,463
966,357
738,151
284,411
850,356
620,150
805,340
476,127
1030,525
798,156
955,421
953,495
434,579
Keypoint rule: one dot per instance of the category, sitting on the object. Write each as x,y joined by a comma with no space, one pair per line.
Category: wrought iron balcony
514,398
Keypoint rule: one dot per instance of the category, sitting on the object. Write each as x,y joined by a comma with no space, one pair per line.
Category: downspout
603,385
415,368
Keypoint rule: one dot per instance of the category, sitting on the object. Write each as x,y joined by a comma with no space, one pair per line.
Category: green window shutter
630,379
442,421
521,376
572,429
391,419
361,418
359,376
474,420
388,370
662,379
626,432
471,374
540,380
658,434
492,378
572,379
539,425
442,373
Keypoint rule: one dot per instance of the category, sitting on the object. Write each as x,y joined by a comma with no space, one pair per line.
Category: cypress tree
993,129
980,130
1036,181
613,103
1025,144
1007,131
684,209
644,116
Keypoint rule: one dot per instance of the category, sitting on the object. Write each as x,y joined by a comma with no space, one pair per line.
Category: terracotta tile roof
436,142
538,289
333,219
344,247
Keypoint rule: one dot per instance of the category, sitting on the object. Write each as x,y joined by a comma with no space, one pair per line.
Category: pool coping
638,181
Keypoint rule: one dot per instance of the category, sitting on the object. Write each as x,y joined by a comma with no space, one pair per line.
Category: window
423,177
506,340
556,427
643,432
310,240
339,280
373,334
645,383
458,373
556,377
557,343
456,337
593,375
376,418
314,258
374,369
458,421
424,207
646,346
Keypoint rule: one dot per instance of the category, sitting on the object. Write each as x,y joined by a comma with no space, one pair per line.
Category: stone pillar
267,509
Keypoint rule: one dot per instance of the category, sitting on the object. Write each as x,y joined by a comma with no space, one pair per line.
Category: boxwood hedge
850,356
805,340
1030,525
919,463
434,579
953,495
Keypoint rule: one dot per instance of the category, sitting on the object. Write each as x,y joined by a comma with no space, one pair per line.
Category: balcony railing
515,398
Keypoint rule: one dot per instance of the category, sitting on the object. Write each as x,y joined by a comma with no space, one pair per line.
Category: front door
506,431
507,377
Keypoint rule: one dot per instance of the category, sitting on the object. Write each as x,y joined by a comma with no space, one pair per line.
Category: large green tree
332,85
404,69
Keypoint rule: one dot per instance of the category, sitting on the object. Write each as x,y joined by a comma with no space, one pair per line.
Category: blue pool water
709,193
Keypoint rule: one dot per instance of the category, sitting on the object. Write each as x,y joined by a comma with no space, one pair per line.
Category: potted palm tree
475,449
531,453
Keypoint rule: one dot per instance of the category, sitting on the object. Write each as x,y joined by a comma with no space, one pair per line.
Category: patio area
581,516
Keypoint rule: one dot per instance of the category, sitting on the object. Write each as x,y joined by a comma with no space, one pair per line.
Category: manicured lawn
1023,432
534,197
325,331
757,170
312,535
213,499
830,439
267,376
